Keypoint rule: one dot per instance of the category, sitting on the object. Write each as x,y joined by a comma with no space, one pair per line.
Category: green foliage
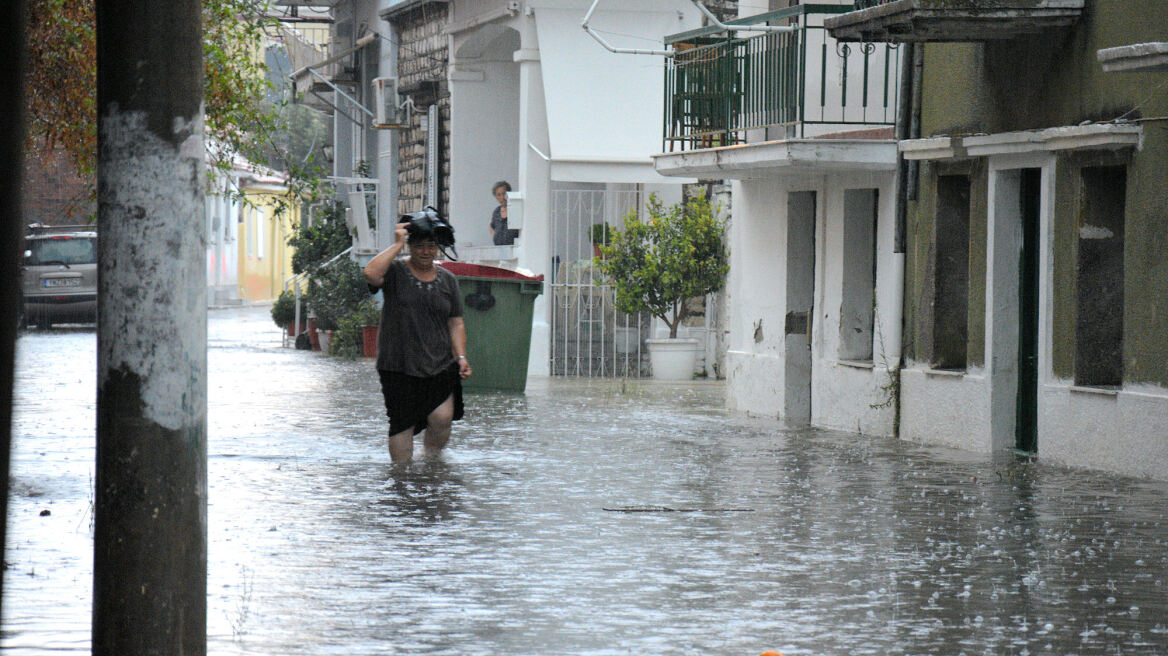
335,292
368,314
284,309
349,337
61,79
656,264
600,233
318,243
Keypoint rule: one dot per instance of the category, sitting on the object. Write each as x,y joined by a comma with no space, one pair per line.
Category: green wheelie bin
497,307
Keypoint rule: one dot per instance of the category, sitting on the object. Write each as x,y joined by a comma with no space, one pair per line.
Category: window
858,307
259,232
1099,274
249,230
61,250
951,273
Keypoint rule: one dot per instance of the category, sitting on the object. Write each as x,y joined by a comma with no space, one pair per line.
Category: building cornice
1095,136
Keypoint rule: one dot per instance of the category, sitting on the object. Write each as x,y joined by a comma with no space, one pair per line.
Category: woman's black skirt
409,400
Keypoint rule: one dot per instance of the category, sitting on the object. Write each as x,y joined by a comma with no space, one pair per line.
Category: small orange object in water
770,653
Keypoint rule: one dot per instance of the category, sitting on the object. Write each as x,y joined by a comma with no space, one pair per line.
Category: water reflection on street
521,540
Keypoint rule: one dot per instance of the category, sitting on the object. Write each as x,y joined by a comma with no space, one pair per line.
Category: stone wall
422,63
53,193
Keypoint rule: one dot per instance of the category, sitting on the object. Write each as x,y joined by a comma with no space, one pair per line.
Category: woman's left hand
463,368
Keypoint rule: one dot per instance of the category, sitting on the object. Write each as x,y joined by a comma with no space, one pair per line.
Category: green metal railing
718,86
865,4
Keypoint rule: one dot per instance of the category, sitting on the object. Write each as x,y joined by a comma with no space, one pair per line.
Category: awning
604,110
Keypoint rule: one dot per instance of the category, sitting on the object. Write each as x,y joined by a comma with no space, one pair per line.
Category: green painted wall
1054,79
978,197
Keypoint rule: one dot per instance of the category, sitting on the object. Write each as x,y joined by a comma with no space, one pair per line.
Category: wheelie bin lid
469,270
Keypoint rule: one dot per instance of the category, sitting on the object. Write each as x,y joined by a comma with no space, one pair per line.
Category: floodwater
546,527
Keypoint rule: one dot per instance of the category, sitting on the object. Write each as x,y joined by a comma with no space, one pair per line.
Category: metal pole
11,173
150,510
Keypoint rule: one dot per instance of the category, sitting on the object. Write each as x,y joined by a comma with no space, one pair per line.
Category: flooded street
585,517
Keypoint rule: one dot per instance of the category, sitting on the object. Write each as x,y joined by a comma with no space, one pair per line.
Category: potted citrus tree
284,313
657,263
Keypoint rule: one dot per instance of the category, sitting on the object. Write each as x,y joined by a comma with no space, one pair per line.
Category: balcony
722,90
951,20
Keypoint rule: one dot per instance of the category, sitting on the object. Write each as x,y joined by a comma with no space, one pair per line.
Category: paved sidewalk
585,517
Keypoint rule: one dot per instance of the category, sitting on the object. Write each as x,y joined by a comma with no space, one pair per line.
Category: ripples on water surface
852,545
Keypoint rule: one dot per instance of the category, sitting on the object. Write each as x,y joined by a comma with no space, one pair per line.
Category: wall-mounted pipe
538,152
607,46
669,53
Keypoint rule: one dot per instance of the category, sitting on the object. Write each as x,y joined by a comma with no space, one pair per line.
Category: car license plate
61,282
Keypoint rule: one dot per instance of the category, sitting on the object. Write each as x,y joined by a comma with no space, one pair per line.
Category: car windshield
67,250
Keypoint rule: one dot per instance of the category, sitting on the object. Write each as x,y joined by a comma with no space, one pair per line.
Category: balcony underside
953,20
1136,58
770,158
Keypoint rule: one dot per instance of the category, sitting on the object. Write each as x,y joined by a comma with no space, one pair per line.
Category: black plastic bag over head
429,224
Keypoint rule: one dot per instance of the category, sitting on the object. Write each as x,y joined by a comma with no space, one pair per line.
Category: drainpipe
907,127
914,128
904,117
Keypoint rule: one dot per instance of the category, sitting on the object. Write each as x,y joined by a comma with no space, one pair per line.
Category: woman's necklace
423,274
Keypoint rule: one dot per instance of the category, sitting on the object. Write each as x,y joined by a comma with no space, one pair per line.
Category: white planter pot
673,359
324,336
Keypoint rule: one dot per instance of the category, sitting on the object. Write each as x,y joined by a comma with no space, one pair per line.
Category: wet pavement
585,517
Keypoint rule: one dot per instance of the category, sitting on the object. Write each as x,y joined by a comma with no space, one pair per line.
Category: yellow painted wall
265,259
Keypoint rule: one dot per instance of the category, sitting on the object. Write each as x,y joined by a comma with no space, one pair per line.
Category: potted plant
368,317
600,234
356,333
284,313
657,264
335,292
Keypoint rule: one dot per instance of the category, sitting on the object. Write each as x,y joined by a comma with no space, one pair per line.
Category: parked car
59,275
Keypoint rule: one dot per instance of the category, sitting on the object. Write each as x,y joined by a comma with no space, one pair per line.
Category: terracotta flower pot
313,336
369,341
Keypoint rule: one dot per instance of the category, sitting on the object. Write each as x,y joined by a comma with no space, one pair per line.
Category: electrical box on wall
392,112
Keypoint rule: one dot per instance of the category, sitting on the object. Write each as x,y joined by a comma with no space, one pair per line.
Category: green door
1026,426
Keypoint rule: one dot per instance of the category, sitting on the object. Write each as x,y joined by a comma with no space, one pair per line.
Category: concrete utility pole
150,541
11,172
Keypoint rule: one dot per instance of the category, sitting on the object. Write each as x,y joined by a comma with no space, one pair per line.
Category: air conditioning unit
392,111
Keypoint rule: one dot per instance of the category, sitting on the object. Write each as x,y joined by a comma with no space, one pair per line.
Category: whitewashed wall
842,394
484,134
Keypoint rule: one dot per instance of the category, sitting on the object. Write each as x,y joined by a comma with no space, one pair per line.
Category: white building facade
814,291
571,126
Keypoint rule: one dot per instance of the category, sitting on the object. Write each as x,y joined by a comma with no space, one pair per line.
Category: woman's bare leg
438,427
401,446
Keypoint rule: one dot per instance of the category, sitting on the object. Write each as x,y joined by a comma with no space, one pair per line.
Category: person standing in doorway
501,235
421,351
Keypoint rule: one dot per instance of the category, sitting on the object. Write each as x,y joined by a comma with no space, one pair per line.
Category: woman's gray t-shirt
414,338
